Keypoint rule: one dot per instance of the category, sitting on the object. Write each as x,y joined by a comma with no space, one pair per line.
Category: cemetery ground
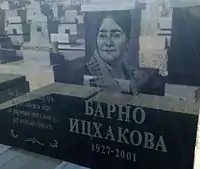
39,72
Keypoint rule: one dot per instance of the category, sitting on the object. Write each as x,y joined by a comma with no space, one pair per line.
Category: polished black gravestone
73,72
8,50
149,132
56,58
38,121
11,86
102,130
184,52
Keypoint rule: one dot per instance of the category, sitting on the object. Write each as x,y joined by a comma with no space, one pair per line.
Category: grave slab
160,117
45,100
11,86
95,129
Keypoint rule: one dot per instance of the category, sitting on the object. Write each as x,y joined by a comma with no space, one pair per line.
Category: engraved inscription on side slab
95,129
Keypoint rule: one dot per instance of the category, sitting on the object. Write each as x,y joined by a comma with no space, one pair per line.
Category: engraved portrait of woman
107,50
108,64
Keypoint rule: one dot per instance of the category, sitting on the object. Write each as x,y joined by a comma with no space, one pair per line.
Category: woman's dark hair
122,18
129,21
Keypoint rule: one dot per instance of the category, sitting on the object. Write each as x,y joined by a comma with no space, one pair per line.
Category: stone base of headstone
52,121
44,97
171,106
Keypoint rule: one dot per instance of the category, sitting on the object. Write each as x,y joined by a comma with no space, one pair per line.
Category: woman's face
111,41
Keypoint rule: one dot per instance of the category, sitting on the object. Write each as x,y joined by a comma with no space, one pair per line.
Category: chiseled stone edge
96,94
7,80
149,101
8,76
55,88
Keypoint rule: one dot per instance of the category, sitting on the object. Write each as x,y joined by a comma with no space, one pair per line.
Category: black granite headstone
102,130
111,56
7,51
184,51
38,121
11,86
56,58
143,132
111,38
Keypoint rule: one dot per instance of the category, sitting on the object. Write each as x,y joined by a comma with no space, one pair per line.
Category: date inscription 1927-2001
118,153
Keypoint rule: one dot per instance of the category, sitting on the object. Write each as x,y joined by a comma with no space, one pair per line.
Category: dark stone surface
14,91
57,128
184,52
56,58
164,117
40,122
7,56
73,69
2,22
7,80
26,27
12,86
7,52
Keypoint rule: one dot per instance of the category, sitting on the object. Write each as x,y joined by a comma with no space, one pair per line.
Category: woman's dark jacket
65,73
